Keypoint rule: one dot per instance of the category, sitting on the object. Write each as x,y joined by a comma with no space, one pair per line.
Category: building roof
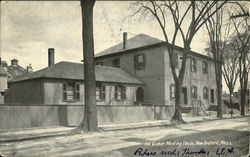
16,70
137,41
74,71
141,41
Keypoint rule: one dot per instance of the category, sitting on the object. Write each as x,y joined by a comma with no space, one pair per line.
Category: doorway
139,94
212,96
184,95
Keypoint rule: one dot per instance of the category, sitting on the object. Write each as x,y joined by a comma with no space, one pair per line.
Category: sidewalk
36,133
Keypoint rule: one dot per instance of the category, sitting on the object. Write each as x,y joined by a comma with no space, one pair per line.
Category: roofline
151,46
17,66
71,79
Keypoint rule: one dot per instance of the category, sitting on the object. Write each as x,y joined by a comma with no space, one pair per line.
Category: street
227,137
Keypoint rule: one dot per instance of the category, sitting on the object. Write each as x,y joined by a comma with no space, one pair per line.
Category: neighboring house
63,83
15,70
4,65
3,82
9,72
147,59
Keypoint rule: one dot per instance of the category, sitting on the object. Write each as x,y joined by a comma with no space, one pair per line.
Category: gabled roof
140,42
137,41
74,71
16,70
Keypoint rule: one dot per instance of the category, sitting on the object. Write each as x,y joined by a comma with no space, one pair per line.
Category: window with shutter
100,92
71,91
205,67
120,92
116,63
205,93
194,92
193,65
139,61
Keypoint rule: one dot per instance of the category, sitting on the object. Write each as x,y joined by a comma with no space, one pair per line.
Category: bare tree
230,69
220,32
89,122
178,12
242,46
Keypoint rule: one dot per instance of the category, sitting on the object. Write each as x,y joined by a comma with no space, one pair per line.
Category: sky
29,28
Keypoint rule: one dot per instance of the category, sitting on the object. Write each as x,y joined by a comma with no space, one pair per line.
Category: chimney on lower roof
125,40
14,62
51,56
29,69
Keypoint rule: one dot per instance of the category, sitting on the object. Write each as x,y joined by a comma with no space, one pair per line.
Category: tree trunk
89,122
219,94
242,103
231,101
219,89
243,82
177,114
242,97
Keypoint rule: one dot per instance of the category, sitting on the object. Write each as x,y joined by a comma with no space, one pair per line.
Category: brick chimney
29,69
51,56
125,40
14,62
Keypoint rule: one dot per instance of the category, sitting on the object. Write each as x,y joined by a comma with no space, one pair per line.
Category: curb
69,133
63,133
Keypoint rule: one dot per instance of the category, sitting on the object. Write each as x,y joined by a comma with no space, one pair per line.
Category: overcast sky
29,28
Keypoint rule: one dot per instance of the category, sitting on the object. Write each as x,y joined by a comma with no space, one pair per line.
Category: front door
139,94
184,95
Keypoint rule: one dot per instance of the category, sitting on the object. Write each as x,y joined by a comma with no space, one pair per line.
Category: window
100,92
116,63
205,93
98,63
71,91
205,67
193,65
139,61
194,92
120,92
172,91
